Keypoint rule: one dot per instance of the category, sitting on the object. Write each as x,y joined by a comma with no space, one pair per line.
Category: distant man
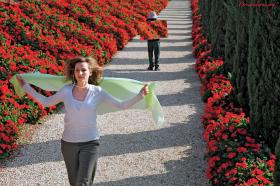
153,46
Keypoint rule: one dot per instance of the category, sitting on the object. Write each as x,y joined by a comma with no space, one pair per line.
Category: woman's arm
45,101
127,103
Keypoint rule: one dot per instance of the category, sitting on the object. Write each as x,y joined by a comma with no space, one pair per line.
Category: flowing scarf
120,88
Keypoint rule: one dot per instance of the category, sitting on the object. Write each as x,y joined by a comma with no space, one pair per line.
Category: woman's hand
20,80
144,91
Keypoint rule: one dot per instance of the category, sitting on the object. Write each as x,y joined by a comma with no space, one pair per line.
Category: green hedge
248,39
263,72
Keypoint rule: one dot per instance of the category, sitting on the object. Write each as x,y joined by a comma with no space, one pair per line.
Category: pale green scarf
121,88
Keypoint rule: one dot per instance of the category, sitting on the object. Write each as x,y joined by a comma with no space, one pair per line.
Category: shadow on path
117,144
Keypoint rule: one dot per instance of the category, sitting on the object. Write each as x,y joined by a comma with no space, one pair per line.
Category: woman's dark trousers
80,160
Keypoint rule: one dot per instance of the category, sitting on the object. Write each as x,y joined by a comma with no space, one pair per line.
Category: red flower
212,161
241,149
242,131
233,135
212,146
2,127
251,181
225,136
209,174
271,163
242,165
231,172
256,171
233,179
263,179
223,166
4,137
13,66
20,121
231,155
250,140
5,89
231,128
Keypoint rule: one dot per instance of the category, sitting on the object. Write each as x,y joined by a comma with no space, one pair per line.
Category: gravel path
134,151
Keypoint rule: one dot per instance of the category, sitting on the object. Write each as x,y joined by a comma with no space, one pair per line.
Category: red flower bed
235,157
40,35
153,30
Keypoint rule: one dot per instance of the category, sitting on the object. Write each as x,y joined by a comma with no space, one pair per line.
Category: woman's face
82,72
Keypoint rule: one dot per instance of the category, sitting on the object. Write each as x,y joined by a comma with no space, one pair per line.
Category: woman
80,139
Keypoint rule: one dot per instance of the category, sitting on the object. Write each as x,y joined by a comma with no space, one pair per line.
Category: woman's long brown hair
95,69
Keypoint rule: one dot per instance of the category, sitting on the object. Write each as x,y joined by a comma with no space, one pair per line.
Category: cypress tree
217,28
204,7
263,76
231,34
240,64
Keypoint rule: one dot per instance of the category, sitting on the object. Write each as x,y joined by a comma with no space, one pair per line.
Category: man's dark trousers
153,50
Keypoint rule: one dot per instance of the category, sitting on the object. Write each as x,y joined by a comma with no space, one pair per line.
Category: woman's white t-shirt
80,116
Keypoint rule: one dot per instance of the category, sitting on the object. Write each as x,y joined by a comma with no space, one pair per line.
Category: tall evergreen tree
204,7
231,33
263,76
217,20
240,64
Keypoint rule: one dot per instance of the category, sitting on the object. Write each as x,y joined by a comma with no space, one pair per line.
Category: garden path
134,151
